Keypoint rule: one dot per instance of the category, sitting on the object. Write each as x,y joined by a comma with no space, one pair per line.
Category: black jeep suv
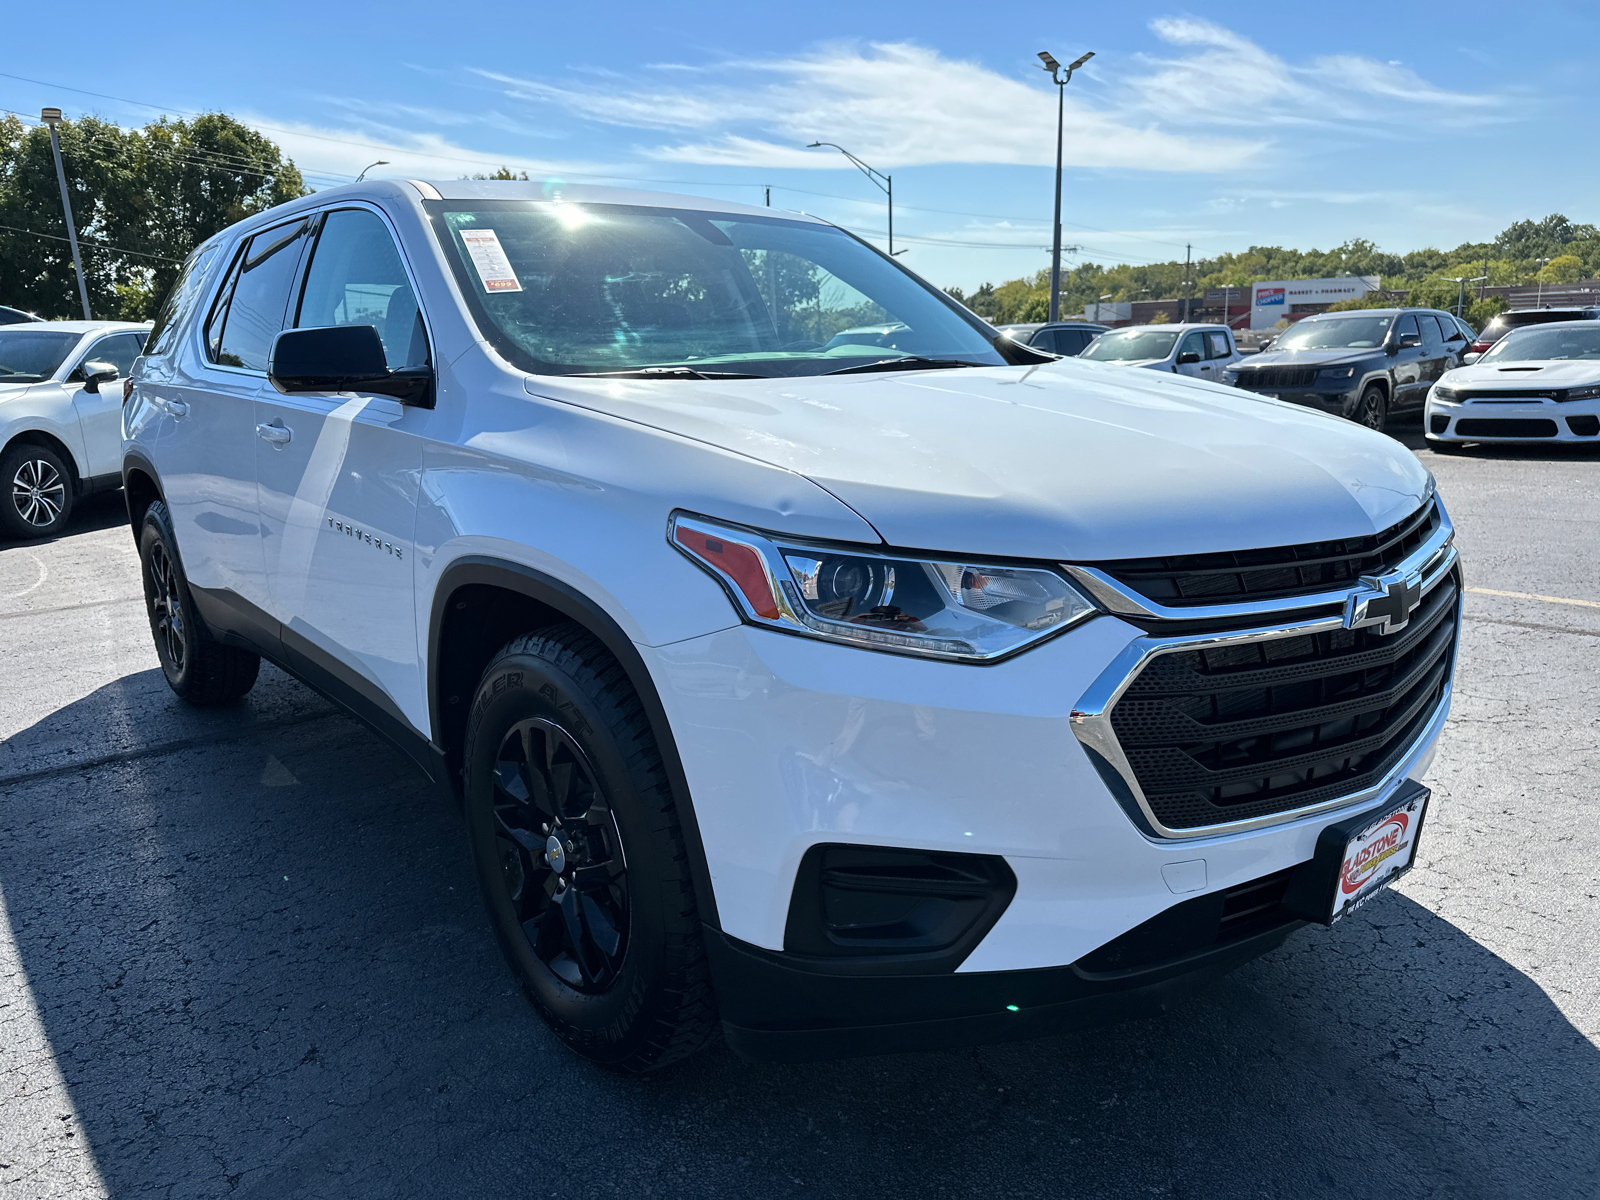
1365,365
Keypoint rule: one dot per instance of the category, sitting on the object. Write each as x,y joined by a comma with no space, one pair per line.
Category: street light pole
1539,301
52,118
382,162
885,182
1055,68
1461,282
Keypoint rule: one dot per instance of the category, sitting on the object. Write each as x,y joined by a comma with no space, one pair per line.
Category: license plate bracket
1359,857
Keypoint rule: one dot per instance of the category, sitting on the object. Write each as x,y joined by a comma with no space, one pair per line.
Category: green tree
142,200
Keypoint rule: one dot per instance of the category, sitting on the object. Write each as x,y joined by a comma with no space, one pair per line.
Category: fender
570,603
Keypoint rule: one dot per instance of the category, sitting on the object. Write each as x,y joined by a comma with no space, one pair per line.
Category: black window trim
106,337
230,280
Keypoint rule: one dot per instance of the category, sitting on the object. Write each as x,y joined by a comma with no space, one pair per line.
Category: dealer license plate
1379,853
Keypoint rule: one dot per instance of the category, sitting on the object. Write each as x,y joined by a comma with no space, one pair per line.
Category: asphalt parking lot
241,954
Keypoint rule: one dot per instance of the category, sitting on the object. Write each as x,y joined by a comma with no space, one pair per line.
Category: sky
1209,125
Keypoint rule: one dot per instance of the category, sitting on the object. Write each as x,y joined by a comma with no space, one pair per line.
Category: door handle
275,433
175,408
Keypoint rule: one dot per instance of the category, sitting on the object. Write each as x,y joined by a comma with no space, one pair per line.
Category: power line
95,242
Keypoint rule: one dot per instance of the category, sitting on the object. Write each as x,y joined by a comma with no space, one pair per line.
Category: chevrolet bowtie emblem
1386,601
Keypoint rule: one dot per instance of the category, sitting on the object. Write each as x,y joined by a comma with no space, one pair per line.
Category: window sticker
492,265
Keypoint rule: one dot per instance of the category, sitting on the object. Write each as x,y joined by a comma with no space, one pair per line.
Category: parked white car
1200,351
841,695
1537,383
60,417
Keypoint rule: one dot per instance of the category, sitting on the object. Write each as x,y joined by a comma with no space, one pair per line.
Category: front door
337,474
1193,343
1407,362
100,411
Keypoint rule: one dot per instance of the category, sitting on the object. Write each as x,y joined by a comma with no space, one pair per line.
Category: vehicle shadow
1531,451
261,969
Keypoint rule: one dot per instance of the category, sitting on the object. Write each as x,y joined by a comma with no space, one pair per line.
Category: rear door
338,479
1435,355
205,448
1220,343
100,412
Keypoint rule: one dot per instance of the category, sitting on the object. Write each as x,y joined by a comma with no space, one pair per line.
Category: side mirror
96,373
1408,340
1189,356
344,358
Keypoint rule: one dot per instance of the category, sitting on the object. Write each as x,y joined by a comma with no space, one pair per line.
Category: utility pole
52,118
1061,81
1184,317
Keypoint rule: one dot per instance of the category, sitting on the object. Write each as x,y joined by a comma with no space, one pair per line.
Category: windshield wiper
910,362
668,373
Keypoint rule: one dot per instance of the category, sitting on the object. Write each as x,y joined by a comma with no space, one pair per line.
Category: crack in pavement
1533,625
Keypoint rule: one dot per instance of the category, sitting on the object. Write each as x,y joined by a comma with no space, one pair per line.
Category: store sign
1269,296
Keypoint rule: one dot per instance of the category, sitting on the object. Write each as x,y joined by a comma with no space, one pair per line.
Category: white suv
60,417
846,696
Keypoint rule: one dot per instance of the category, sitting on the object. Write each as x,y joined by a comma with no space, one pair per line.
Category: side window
1049,339
1404,325
180,301
356,278
250,309
1431,334
119,350
1219,345
1073,341
1193,344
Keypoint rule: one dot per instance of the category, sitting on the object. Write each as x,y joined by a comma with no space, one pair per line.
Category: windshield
1354,333
1126,345
1546,342
32,355
562,288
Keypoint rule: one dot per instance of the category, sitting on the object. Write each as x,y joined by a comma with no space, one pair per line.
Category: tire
37,501
1372,410
197,667
579,854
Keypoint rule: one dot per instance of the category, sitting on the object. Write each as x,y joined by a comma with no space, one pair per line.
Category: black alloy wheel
579,853
38,491
196,666
1372,410
561,855
166,610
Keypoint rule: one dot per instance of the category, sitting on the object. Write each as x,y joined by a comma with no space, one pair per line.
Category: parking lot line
1535,596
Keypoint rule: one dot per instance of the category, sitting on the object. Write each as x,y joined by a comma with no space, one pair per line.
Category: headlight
950,608
1582,393
1440,392
1338,372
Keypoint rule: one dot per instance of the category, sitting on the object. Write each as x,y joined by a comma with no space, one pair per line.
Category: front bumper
788,743
1337,397
1511,421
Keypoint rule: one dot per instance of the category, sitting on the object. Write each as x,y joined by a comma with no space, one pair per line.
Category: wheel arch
34,436
140,489
481,603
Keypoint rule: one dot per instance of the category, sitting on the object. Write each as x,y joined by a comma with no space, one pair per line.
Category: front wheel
1372,410
38,492
580,856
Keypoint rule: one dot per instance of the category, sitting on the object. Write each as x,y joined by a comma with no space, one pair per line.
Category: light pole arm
885,182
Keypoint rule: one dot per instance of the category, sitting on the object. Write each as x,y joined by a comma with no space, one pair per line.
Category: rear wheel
197,667
579,854
38,491
1372,410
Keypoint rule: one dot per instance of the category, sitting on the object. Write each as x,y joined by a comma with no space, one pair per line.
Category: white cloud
892,103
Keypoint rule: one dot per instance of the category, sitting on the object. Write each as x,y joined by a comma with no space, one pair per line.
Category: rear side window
1432,335
250,309
1072,341
356,278
1219,345
180,301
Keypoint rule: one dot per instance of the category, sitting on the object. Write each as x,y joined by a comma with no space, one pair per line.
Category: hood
1311,358
1536,373
1070,461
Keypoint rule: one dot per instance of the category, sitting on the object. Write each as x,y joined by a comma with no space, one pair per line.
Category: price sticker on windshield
490,261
